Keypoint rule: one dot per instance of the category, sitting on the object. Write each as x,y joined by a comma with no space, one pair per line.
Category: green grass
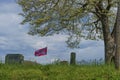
58,72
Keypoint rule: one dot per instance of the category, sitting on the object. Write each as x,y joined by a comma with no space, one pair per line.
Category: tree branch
109,5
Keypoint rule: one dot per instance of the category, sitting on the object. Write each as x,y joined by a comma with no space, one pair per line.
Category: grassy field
58,72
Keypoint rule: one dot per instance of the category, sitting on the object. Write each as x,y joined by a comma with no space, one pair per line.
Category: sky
14,39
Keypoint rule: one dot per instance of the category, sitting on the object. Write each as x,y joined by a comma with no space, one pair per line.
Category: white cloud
3,41
9,23
9,8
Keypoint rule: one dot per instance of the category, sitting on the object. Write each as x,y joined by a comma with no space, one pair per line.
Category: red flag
41,52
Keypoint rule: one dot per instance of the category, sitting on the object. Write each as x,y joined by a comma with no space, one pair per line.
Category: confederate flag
41,52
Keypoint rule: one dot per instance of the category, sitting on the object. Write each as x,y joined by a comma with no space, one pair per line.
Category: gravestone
73,58
14,58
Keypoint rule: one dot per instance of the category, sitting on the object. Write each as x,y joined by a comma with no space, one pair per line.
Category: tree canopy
78,18
91,19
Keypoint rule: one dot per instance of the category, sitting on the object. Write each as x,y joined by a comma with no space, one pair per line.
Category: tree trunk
108,40
117,36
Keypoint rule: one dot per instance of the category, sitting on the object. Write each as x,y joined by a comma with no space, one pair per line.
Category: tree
96,17
117,38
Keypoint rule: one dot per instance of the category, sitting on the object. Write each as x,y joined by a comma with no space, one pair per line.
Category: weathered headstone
14,58
73,58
